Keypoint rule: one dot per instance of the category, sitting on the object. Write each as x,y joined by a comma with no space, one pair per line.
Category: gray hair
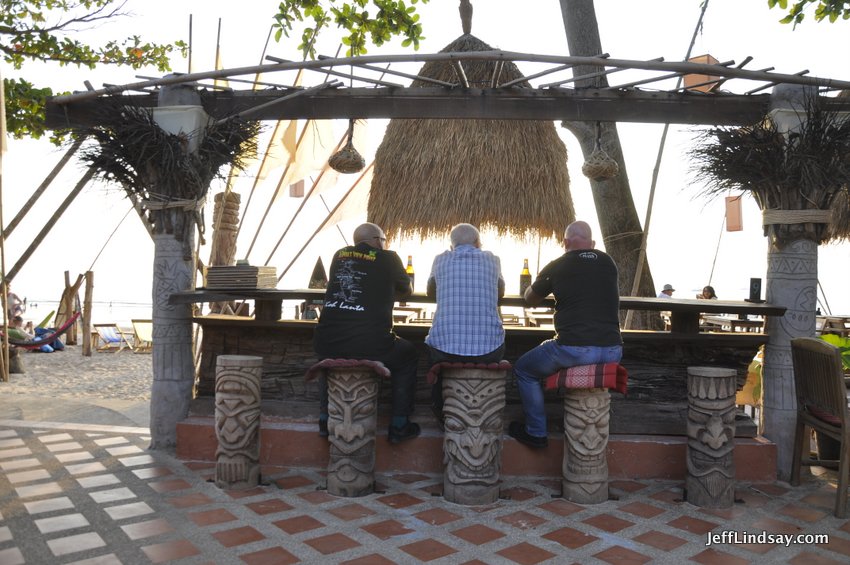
464,234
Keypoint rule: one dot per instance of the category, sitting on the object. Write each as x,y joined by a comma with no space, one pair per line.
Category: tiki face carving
237,413
473,429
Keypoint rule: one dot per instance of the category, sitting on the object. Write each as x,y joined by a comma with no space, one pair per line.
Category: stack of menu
240,276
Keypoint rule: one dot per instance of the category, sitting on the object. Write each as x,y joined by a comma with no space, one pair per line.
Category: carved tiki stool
474,397
352,419
585,465
711,437
237,421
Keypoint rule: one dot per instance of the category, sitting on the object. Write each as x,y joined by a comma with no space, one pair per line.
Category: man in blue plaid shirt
467,284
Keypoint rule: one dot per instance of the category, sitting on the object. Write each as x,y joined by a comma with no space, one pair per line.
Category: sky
687,246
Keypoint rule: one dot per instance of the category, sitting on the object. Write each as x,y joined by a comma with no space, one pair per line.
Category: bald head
370,234
578,236
465,234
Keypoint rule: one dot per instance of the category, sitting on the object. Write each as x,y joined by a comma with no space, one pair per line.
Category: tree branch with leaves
826,9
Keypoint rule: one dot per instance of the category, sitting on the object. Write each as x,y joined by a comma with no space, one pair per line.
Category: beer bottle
524,277
409,269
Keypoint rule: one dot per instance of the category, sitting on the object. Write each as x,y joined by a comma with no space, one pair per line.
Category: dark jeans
436,356
402,361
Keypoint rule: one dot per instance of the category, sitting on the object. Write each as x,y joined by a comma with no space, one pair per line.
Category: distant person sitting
467,328
667,291
16,331
707,293
14,305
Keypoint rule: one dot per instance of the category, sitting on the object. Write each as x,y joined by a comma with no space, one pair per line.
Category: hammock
46,338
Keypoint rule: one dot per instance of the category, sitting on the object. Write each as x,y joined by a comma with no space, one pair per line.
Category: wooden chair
111,338
821,406
142,336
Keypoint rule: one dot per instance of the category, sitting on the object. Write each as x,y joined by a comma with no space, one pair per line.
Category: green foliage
393,18
826,9
843,344
42,30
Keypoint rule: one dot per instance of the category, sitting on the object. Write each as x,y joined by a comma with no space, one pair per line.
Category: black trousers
402,361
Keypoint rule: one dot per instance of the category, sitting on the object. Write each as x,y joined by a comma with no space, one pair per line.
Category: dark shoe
517,431
408,431
323,428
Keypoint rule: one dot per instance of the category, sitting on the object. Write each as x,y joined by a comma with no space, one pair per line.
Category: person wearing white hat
667,291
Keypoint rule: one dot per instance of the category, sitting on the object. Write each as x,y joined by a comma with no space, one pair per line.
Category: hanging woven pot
600,166
348,160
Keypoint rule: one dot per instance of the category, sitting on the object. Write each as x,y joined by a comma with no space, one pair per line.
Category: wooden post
87,314
68,305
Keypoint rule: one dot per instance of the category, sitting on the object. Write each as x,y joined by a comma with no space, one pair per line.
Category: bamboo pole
50,223
7,231
87,305
329,216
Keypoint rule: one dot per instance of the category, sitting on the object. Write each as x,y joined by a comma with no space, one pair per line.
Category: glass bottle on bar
524,277
409,271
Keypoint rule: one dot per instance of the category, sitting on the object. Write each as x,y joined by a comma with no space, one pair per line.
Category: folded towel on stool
599,375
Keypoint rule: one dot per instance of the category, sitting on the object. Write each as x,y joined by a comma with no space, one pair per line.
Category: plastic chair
111,338
821,406
142,336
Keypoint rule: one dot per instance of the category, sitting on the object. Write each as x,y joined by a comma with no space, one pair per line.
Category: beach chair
142,336
111,338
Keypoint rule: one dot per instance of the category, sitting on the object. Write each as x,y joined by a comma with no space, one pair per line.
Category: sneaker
323,428
408,431
517,431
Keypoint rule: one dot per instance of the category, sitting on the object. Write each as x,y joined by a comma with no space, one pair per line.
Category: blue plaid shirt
467,320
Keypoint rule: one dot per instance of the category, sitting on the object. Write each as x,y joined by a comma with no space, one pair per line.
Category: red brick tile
245,493
386,529
270,556
570,538
317,497
169,485
714,557
809,558
522,520
660,540
751,498
298,524
351,512
147,529
774,526
170,551
693,525
838,545
620,555
333,543
210,517
401,500
822,499
728,514
435,489
478,534
642,510
268,471
608,522
561,507
845,527
474,562
626,486
518,494
295,481
437,516
199,465
671,496
373,559
803,513
410,478
770,489
189,500
757,548
238,536
269,506
525,554
427,550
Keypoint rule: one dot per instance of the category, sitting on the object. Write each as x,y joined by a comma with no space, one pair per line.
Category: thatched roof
504,174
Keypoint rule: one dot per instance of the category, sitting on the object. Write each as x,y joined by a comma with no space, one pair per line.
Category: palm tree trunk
173,367
792,275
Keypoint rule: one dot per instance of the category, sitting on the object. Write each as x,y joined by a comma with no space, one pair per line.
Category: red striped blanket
599,375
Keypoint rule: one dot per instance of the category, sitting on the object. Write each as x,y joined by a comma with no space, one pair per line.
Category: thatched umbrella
508,175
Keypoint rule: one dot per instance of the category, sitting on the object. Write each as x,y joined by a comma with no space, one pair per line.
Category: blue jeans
534,366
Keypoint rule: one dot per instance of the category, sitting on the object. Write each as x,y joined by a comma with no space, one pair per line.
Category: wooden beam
433,103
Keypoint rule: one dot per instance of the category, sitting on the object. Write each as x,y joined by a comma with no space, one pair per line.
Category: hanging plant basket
600,166
348,160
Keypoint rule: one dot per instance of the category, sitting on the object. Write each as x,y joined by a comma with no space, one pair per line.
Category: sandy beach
64,386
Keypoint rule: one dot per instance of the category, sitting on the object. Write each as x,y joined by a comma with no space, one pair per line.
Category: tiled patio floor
72,493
